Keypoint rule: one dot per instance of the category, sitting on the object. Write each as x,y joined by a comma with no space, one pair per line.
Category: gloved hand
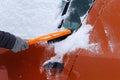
19,45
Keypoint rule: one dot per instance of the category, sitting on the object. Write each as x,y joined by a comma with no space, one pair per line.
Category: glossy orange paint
103,64
25,65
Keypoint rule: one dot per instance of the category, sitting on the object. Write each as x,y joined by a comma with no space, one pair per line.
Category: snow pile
79,39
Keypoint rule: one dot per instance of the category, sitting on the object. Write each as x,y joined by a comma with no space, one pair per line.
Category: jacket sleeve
7,40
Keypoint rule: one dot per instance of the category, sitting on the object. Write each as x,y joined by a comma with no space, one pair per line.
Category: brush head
53,67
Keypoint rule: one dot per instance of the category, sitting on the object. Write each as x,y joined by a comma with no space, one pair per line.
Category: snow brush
50,37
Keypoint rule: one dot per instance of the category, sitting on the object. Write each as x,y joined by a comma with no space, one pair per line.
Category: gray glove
19,45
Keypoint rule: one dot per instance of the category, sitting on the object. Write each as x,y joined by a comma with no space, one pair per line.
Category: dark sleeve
7,40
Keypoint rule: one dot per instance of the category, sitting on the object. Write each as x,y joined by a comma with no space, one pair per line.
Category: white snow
28,18
79,39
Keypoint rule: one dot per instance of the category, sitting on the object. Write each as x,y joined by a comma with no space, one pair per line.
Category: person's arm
9,41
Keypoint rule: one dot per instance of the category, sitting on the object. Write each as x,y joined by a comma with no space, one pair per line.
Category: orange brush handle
50,36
